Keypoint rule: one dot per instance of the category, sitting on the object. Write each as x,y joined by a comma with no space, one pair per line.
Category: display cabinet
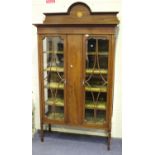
76,68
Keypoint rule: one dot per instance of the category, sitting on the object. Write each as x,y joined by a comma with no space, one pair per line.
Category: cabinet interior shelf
96,89
88,104
96,71
56,115
89,119
99,105
92,120
54,52
54,69
88,71
88,53
56,85
56,101
98,53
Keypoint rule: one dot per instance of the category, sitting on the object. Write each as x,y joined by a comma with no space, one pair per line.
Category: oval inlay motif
79,14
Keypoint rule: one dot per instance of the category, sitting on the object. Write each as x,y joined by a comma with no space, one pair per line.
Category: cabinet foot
49,128
42,134
42,139
109,141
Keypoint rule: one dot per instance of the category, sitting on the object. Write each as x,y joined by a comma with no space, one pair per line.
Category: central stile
74,79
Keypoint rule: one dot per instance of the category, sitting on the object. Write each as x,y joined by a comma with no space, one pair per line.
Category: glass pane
92,45
53,60
96,79
103,45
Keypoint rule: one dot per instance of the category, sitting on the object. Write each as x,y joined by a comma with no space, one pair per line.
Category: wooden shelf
57,101
88,104
55,116
99,53
54,69
99,105
88,71
92,120
88,119
54,52
96,89
96,71
56,85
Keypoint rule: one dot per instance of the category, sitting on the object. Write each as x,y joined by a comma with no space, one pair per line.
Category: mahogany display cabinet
76,52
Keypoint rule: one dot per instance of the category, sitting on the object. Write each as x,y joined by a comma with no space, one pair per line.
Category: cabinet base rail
81,131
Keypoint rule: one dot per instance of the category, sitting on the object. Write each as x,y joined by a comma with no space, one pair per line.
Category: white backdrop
38,8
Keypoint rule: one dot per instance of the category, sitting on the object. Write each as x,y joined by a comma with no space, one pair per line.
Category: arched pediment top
80,14
79,7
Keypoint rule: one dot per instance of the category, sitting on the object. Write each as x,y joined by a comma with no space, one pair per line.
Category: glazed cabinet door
53,78
97,49
75,79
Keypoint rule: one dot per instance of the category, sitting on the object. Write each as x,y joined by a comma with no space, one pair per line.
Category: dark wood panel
75,30
40,75
74,79
111,66
92,126
63,19
81,13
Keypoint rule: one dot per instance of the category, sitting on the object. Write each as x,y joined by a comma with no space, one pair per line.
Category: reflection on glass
96,79
103,45
53,61
92,45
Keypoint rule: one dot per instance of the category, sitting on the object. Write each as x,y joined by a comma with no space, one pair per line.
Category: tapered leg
109,140
42,133
49,127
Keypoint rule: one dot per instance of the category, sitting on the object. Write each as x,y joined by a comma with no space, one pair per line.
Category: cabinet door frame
43,118
109,76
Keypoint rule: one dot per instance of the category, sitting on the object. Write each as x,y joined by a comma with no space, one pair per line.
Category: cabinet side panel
40,62
111,80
